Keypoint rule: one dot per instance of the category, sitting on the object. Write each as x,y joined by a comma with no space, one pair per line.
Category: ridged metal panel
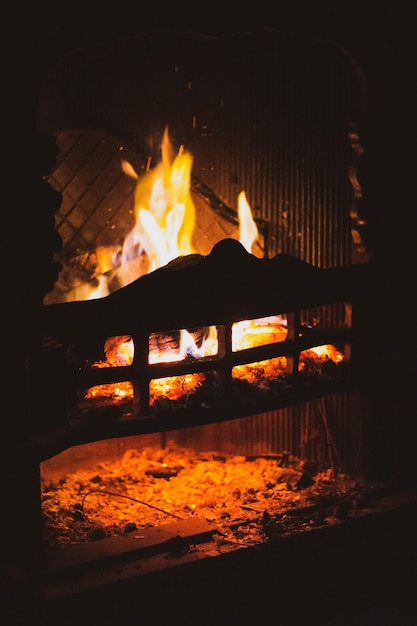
260,112
325,431
282,136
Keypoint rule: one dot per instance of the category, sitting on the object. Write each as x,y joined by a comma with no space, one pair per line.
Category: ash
250,499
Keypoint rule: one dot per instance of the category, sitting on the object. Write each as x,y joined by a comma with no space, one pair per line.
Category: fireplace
306,149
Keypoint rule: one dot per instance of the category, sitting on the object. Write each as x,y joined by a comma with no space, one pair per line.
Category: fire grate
198,292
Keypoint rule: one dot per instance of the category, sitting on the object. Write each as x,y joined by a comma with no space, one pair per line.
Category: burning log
229,283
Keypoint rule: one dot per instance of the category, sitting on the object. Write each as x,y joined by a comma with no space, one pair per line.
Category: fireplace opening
227,396
158,177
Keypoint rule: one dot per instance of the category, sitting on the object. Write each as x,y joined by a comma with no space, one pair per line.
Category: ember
150,487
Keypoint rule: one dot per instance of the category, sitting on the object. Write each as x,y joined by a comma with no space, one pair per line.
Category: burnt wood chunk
194,291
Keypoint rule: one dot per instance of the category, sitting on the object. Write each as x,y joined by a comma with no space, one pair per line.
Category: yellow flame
164,221
164,210
248,232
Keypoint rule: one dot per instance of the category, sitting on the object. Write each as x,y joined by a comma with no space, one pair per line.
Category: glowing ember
147,488
174,387
326,351
113,391
259,332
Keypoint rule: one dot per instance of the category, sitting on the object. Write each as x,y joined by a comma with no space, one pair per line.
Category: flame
173,387
164,221
248,233
102,289
258,332
187,347
164,210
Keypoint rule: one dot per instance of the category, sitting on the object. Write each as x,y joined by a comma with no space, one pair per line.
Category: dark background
367,579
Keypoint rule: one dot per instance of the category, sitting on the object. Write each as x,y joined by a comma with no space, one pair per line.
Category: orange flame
165,219
164,210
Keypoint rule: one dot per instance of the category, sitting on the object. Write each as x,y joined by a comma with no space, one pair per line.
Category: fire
164,223
163,230
248,230
164,212
187,346
259,332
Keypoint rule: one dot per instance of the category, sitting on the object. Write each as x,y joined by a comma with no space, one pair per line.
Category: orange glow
261,370
326,351
318,355
259,332
115,392
174,387
147,485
